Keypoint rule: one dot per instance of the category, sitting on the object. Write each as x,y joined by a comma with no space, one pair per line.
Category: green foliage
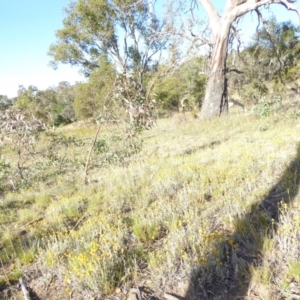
4,172
33,161
62,111
116,149
5,102
169,92
25,100
294,270
11,278
94,28
184,89
101,146
95,95
147,233
254,91
194,74
52,105
199,89
265,106
276,48
295,114
269,64
127,34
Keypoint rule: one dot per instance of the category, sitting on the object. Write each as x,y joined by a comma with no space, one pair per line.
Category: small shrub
147,233
4,173
266,106
27,215
294,270
295,114
264,127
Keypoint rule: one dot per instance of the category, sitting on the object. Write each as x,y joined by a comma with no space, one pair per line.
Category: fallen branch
170,297
24,290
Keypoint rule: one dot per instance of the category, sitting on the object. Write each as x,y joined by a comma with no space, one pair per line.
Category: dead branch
234,70
88,159
24,290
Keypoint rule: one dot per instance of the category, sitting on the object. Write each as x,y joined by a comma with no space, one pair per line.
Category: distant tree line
132,74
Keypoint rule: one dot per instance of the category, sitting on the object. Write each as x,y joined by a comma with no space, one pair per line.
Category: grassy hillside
206,210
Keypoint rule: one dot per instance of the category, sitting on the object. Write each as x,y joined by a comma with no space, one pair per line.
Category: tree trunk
216,98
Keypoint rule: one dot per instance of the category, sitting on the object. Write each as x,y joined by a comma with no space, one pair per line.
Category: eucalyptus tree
5,102
66,93
90,96
127,33
271,59
276,47
216,99
184,88
52,105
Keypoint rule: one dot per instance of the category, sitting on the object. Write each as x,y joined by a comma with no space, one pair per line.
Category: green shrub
266,106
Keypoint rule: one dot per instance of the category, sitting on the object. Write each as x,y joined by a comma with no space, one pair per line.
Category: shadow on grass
228,276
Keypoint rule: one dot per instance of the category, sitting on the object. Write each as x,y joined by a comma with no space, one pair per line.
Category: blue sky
249,21
27,28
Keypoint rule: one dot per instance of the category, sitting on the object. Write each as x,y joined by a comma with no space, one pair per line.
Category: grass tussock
212,206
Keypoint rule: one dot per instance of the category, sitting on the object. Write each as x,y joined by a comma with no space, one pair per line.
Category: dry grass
194,213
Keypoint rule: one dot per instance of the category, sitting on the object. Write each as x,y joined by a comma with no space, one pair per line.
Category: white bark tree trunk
216,99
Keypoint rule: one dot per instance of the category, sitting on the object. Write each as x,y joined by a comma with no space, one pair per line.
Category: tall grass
178,213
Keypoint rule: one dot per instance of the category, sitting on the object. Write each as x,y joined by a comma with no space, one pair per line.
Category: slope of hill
206,210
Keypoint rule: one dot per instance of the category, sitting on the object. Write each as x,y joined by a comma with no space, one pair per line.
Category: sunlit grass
183,202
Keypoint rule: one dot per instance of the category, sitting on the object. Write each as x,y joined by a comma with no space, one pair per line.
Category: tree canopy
133,38
216,98
127,32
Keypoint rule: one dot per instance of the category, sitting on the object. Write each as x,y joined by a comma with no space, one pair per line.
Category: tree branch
214,19
159,76
234,70
250,5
